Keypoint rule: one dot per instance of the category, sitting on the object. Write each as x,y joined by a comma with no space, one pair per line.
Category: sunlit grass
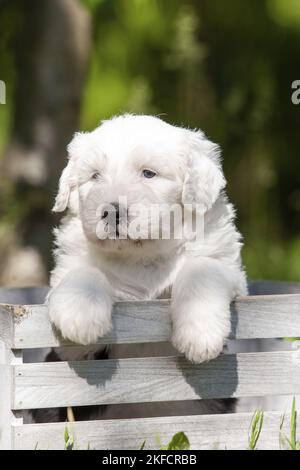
255,429
290,443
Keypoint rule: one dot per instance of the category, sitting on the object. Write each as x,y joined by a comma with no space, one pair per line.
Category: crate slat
58,384
271,316
138,380
229,431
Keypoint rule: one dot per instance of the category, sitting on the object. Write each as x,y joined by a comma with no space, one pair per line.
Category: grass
290,443
255,429
68,439
178,442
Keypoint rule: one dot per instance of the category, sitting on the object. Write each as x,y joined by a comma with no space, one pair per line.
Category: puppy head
136,159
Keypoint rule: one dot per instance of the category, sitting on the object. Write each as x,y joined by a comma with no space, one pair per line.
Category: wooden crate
26,386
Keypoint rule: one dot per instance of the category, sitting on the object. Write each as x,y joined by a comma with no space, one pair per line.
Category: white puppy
143,159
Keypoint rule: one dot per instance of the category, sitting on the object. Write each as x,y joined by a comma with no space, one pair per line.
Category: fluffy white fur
91,274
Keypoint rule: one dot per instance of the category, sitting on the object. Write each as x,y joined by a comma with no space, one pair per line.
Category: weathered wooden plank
138,322
229,431
5,398
6,329
265,316
47,385
6,325
133,322
7,359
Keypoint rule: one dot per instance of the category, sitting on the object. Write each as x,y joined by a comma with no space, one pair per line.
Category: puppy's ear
68,182
204,178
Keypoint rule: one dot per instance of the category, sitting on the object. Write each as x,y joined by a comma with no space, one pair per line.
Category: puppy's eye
149,173
95,175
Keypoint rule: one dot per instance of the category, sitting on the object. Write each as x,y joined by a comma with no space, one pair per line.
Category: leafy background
226,67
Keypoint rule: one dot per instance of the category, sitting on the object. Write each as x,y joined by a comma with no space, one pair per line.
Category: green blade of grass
293,425
143,445
255,429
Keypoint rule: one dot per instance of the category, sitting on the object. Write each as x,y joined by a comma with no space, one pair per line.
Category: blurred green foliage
9,24
226,67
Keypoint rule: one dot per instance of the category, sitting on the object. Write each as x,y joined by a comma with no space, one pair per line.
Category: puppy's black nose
115,212
117,208
112,214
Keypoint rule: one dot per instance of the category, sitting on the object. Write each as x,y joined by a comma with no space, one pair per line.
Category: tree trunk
51,57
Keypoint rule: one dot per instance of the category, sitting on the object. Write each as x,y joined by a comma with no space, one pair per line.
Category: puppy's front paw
198,344
81,318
